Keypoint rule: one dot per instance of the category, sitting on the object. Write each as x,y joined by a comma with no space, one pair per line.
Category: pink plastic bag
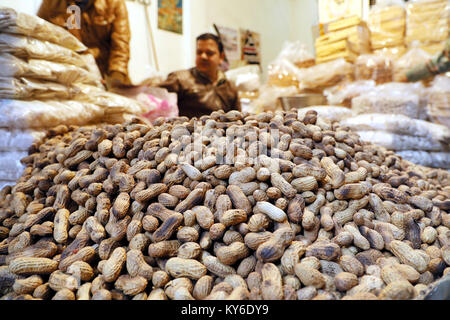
159,101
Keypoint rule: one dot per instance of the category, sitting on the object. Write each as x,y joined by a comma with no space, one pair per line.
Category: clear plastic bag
10,166
399,142
297,53
44,70
439,101
282,73
411,59
398,124
427,159
330,113
394,53
245,78
387,23
427,20
389,98
343,94
268,97
24,88
159,102
15,22
325,75
374,67
19,140
30,48
21,114
109,101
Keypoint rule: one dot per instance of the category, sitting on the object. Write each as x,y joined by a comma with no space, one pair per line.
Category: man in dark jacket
204,88
104,29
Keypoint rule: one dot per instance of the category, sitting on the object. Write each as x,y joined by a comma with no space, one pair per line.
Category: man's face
208,56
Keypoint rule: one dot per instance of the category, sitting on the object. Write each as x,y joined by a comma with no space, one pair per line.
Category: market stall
112,196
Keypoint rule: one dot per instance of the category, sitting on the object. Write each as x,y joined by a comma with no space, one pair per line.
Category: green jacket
440,64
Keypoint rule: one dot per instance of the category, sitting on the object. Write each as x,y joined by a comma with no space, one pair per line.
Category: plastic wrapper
347,43
427,159
19,140
390,98
331,113
25,88
398,124
411,59
374,67
10,166
325,75
12,21
268,97
30,48
159,102
427,20
439,101
109,101
5,183
66,74
91,66
387,23
399,142
245,78
19,114
343,94
391,52
282,73
297,53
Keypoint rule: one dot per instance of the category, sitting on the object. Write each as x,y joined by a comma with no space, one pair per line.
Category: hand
117,80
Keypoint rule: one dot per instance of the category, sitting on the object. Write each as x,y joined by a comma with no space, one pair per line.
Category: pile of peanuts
260,207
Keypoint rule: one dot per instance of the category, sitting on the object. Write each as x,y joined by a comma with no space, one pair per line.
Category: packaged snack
31,48
325,75
427,20
15,22
374,67
390,98
66,74
387,23
342,94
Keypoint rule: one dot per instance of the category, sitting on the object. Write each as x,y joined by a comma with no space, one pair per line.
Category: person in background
438,65
104,30
204,88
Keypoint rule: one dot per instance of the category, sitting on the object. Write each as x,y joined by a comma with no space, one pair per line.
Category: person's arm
120,44
46,9
440,64
172,83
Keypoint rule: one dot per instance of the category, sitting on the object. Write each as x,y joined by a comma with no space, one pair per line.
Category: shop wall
271,18
304,15
276,21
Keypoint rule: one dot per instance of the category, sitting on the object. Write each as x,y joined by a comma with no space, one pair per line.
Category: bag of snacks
15,22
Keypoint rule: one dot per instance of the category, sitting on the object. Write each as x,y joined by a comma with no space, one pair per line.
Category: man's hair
210,36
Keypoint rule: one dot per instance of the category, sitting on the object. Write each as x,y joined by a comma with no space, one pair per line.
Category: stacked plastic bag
283,76
46,81
428,23
387,23
438,108
346,38
418,141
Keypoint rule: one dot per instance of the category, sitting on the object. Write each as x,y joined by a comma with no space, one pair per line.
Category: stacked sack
45,81
428,23
346,38
387,24
418,141
438,109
